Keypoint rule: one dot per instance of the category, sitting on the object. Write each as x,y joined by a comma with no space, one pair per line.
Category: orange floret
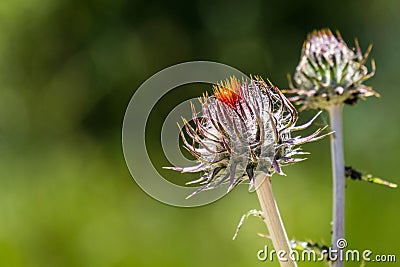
228,92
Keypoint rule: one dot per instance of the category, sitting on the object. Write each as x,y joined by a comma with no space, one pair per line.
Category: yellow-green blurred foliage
67,71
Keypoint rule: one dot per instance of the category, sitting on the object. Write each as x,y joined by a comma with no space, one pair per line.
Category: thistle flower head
245,128
329,72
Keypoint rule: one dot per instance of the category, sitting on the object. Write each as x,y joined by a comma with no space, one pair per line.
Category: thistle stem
337,155
273,221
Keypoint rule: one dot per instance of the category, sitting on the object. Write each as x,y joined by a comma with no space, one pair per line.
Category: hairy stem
273,221
337,155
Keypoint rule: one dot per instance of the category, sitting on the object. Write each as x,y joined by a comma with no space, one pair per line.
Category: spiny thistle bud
245,128
329,72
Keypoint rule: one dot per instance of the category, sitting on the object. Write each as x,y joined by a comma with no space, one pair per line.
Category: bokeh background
68,69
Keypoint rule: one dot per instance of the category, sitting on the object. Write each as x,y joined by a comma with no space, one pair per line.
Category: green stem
337,155
273,220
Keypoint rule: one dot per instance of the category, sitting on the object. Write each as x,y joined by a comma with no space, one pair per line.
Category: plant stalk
338,169
273,221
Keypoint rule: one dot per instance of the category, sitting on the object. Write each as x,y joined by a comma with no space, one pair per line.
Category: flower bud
330,73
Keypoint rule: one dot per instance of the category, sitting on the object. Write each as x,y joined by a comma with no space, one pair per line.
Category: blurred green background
68,69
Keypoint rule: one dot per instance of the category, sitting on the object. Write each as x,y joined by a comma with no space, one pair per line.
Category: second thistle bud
329,72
